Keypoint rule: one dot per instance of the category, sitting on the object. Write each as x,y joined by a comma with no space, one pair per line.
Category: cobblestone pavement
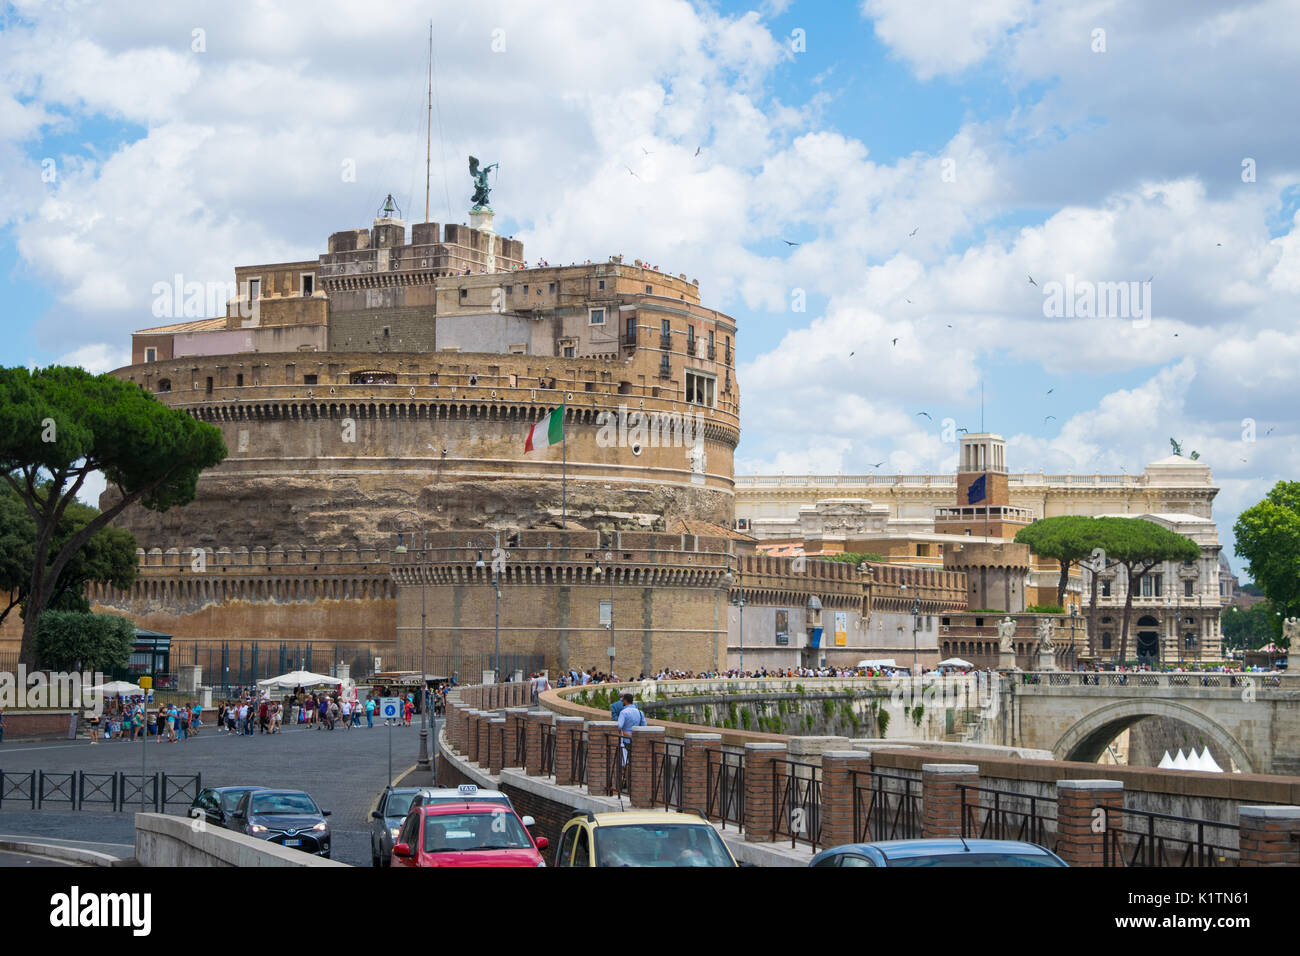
344,770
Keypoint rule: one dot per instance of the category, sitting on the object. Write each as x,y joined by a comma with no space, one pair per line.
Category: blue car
953,851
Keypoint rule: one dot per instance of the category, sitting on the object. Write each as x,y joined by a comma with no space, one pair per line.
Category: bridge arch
1086,740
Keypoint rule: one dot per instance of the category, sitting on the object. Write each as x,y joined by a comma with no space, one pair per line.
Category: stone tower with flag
983,507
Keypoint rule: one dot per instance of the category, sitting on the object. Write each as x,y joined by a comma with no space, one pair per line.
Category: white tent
880,662
956,662
298,679
118,687
1180,760
1208,763
1166,762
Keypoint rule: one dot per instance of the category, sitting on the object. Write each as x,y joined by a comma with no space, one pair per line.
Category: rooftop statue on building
481,188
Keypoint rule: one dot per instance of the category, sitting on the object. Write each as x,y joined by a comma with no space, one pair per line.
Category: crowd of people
135,718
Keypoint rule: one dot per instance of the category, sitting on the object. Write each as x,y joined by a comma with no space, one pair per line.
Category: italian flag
549,431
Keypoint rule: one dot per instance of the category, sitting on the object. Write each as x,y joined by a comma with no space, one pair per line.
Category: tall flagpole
428,126
564,472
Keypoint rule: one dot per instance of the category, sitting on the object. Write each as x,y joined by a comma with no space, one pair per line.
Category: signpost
390,708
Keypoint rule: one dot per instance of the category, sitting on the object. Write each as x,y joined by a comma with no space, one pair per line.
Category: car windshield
282,803
230,799
398,804
457,832
978,859
649,844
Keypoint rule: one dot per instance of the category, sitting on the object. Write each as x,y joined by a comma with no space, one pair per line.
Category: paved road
344,770
27,859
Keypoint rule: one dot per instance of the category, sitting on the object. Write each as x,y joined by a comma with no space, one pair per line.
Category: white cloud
943,36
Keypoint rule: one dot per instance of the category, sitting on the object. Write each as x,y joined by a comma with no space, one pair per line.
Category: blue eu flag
976,492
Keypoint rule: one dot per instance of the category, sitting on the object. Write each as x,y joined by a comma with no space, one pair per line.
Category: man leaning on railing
630,716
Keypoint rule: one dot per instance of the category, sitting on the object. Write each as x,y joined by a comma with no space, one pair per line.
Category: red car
466,834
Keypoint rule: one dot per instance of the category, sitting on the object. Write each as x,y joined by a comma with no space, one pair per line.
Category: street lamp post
497,555
608,569
422,759
916,623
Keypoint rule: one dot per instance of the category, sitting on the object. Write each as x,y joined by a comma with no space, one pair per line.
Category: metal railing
1148,841
78,790
797,802
666,774
548,750
521,745
990,814
725,788
578,756
617,764
886,806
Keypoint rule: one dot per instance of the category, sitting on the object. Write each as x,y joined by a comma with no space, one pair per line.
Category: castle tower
983,507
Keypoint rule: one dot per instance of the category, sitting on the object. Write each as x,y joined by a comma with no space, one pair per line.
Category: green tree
1268,537
71,640
108,557
1138,546
1249,628
1066,538
58,426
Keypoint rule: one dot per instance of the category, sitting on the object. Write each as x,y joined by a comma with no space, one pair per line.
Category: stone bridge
1254,718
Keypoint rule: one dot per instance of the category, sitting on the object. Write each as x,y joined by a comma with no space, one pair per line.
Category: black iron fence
1148,838
990,814
520,745
78,790
725,788
578,756
548,750
666,774
886,806
797,801
242,664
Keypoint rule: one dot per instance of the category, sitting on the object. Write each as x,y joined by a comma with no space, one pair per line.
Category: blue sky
1104,142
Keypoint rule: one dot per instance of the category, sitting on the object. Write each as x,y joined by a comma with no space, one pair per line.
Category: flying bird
1048,419
926,414
646,151
877,464
907,300
913,232
1051,390
633,175
851,354
964,430
697,150
895,341
789,243
1270,431
1151,278
950,326
1031,281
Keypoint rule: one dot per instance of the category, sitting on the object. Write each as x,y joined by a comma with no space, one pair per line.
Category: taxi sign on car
467,789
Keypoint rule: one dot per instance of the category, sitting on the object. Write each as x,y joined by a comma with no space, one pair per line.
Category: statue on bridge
1045,628
1006,631
481,188
1291,631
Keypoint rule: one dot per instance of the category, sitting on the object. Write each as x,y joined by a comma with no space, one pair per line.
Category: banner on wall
841,628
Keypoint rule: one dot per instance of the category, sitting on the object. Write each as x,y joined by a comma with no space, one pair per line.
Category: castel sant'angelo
376,403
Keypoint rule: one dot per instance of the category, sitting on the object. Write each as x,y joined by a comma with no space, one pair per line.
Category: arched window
164,385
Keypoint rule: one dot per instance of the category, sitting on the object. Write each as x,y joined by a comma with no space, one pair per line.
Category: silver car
386,821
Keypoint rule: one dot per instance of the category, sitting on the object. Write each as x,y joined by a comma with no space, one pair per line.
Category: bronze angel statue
481,187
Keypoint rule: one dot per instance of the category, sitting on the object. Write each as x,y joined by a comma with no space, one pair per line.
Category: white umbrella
1166,762
118,687
956,662
298,679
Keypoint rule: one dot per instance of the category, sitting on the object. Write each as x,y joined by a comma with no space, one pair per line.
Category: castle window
254,289
464,293
308,283
1187,589
551,287
595,316
1105,641
600,285
700,389
309,379
164,385
510,290
569,352
649,290
239,380
209,385
1105,589
151,355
